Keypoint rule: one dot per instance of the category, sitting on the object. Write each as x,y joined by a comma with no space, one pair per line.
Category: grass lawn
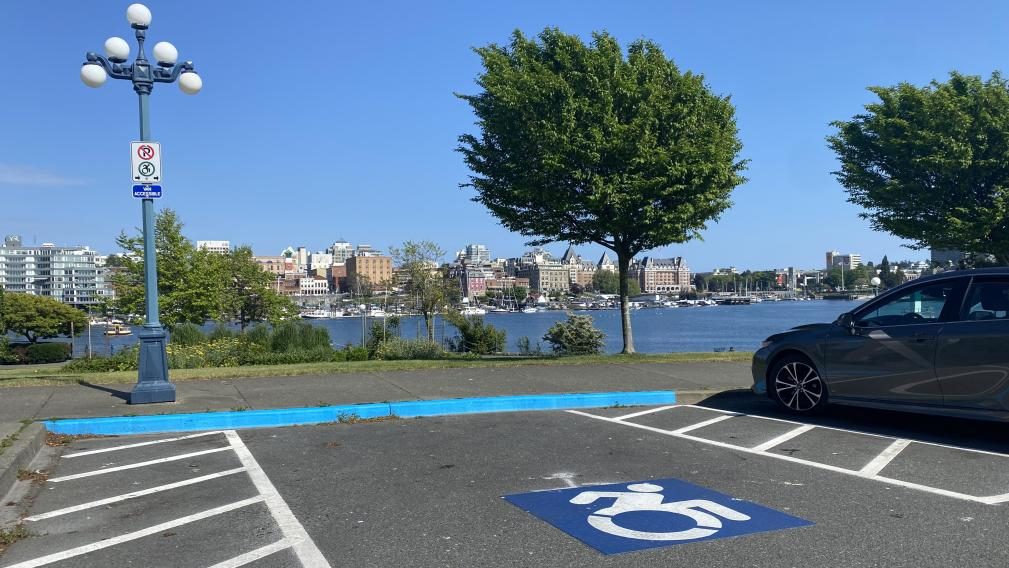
24,376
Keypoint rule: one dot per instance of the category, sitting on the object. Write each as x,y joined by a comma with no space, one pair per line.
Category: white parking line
137,445
699,425
783,457
132,495
136,465
783,438
302,544
885,457
643,412
254,555
64,555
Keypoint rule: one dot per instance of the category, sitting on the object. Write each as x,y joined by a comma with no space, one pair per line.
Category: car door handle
923,337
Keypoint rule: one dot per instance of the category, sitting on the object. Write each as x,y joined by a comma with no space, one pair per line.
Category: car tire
796,385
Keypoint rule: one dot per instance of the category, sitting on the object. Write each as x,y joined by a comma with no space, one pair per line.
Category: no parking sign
625,517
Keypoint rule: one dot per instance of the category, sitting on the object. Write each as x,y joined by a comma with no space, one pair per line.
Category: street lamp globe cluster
152,381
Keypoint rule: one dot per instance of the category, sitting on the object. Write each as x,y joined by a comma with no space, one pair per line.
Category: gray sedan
937,345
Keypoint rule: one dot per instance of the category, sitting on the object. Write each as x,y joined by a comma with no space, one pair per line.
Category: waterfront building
546,277
366,250
373,269
605,263
276,265
320,261
72,275
663,275
586,270
476,255
313,286
473,283
730,271
341,251
849,261
337,276
218,247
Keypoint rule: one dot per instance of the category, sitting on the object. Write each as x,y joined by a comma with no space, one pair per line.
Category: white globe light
190,83
93,75
875,281
166,53
117,49
138,15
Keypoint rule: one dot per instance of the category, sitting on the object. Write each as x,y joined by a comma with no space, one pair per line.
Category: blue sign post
147,191
625,517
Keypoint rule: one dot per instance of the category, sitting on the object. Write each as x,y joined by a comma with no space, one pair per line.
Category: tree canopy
426,283
581,143
931,164
196,285
40,317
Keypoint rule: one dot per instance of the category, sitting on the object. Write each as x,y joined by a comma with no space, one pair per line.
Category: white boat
316,314
529,310
473,311
377,313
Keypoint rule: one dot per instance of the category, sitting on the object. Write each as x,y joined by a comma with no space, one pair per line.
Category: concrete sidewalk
38,403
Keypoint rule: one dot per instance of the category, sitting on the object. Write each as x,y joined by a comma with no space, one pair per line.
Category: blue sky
327,120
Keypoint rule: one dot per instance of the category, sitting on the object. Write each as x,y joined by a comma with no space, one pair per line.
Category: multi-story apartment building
546,277
476,255
663,275
848,261
376,270
319,261
313,286
72,275
341,251
219,247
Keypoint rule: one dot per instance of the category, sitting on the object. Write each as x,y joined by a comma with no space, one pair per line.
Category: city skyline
247,161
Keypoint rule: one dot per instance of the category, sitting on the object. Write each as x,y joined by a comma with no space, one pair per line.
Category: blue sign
625,517
147,191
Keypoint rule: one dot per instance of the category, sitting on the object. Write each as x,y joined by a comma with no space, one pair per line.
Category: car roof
997,271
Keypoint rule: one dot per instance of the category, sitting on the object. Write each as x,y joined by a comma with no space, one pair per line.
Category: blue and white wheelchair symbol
648,497
624,517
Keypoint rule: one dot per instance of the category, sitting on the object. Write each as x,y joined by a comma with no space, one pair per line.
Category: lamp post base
152,380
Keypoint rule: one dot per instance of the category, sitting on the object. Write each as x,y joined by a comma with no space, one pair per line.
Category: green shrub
47,353
576,336
7,357
526,348
125,360
356,353
221,331
323,355
475,335
381,331
397,348
186,334
291,335
259,335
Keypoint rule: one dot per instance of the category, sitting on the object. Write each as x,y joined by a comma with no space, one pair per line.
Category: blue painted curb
122,425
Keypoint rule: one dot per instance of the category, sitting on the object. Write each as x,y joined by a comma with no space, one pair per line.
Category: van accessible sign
625,517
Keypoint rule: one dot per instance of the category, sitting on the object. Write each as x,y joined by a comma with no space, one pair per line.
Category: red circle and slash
145,151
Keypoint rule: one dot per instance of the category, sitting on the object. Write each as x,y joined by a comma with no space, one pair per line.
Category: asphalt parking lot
852,487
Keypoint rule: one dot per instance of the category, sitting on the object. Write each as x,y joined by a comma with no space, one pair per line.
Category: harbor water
656,330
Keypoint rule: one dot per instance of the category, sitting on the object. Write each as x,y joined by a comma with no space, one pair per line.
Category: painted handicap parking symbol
624,517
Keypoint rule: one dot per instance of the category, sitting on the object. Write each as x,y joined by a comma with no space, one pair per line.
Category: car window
919,305
987,300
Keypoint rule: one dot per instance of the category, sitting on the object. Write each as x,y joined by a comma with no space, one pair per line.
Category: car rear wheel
796,385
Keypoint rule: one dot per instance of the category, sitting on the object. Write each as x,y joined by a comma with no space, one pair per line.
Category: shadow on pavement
974,434
116,393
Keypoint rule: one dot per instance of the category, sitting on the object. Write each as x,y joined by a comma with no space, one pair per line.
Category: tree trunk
429,322
623,264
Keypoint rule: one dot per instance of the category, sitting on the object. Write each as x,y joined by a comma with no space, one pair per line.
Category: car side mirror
847,321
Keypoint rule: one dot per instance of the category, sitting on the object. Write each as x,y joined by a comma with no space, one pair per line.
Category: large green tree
41,317
196,285
584,143
931,164
426,284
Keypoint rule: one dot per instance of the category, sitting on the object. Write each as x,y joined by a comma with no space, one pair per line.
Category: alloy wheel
798,386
